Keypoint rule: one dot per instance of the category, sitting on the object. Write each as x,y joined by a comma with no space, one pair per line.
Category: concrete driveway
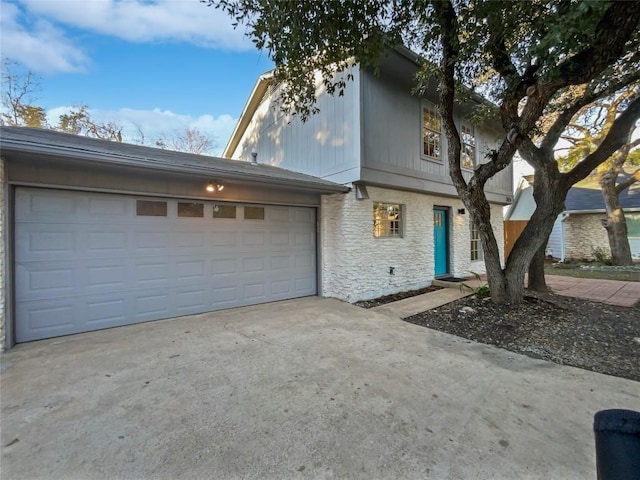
311,388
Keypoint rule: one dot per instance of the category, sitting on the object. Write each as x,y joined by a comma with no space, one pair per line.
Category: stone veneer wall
355,265
582,233
3,250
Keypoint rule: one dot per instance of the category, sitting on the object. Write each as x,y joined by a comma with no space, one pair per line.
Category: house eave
247,112
599,210
24,149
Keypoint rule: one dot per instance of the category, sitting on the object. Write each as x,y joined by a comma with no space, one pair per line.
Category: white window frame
475,245
424,108
388,220
472,147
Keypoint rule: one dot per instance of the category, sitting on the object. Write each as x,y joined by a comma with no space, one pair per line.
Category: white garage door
87,261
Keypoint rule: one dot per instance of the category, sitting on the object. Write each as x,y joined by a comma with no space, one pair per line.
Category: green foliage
303,37
481,291
601,255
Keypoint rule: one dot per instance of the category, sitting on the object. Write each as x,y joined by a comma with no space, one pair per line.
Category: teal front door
440,241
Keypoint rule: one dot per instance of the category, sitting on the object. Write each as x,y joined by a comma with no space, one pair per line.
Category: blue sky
158,65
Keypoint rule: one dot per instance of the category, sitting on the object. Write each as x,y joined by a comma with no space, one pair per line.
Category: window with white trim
468,140
475,247
431,132
387,220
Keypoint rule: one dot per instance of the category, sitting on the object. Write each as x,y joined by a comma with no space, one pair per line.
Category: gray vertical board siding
327,145
391,125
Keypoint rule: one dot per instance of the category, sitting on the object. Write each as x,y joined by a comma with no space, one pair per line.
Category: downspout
563,217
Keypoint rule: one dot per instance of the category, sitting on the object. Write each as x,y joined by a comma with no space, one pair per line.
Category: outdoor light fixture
461,211
214,186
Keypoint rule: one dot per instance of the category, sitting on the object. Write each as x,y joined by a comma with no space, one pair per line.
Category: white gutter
563,217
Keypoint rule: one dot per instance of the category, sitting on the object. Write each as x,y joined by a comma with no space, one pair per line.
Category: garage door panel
254,292
104,312
149,242
41,281
191,241
152,273
112,207
303,215
191,300
103,276
305,285
279,214
152,306
86,261
225,296
105,241
42,319
279,262
42,204
190,270
223,238
281,287
44,241
253,239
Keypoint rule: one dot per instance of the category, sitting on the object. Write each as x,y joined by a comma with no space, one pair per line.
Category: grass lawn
607,273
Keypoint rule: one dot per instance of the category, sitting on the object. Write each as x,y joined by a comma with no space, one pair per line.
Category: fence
512,230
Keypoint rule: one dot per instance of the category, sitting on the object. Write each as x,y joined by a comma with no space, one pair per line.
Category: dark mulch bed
376,302
565,330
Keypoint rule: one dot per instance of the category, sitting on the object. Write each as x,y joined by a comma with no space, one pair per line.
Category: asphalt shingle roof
588,196
50,142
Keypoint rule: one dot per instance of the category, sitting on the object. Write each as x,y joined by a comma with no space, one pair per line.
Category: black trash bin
617,444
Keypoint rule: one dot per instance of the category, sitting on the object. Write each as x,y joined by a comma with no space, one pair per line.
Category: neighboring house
578,231
97,234
402,224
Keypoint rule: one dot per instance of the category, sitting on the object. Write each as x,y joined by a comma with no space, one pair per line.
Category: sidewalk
612,292
428,301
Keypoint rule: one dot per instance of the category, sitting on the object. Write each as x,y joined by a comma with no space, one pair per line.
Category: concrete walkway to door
612,292
303,389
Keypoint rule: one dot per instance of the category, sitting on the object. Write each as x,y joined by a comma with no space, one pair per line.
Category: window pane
475,247
431,133
633,224
254,213
149,208
224,211
190,209
468,155
387,220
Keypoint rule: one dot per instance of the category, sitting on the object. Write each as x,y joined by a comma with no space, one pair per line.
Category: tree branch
615,139
560,124
450,46
628,182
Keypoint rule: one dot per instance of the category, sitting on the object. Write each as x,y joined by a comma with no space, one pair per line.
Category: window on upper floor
468,153
431,132
387,220
475,246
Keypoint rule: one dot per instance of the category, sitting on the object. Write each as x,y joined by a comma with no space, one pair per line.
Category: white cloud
41,48
145,21
156,123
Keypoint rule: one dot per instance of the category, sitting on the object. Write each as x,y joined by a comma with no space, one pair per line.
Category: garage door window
224,211
253,213
193,210
148,208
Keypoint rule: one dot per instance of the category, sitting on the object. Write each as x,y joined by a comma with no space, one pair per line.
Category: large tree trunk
616,226
615,223
537,281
